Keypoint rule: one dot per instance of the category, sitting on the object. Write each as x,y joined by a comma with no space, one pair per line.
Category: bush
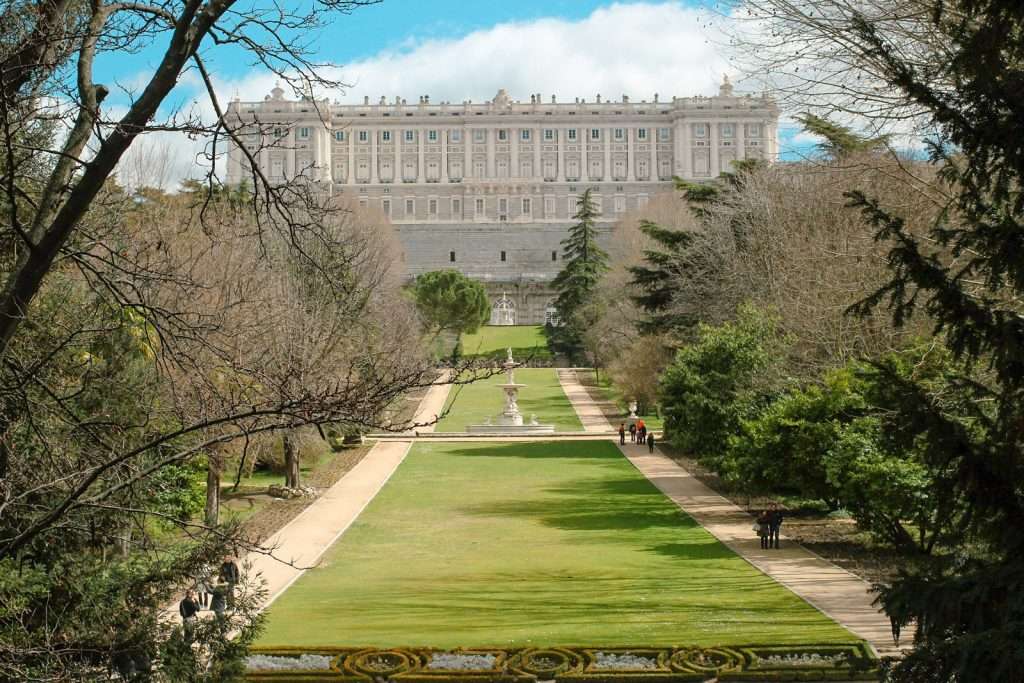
727,375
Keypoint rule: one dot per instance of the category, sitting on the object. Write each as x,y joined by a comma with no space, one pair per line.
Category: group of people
216,593
768,524
637,434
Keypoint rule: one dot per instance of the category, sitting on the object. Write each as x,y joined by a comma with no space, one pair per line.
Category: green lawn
489,545
542,396
498,338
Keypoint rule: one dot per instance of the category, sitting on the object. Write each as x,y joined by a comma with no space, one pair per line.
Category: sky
454,50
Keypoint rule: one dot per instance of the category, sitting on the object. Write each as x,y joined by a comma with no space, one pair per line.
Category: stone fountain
510,420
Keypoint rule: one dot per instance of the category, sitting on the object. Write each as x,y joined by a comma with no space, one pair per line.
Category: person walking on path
218,600
632,432
188,608
650,442
622,433
204,584
774,524
763,528
229,574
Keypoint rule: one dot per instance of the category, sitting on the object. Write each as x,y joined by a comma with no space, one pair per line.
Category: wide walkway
300,544
586,408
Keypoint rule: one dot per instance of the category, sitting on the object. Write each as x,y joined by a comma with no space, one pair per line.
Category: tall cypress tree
585,263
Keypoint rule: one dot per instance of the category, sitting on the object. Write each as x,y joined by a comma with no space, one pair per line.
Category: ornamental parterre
853,662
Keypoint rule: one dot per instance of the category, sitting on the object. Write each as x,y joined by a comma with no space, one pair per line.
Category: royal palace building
490,188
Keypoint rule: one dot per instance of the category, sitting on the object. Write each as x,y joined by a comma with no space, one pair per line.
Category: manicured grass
487,545
542,396
499,338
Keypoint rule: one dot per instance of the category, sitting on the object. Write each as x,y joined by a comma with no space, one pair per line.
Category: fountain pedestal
510,420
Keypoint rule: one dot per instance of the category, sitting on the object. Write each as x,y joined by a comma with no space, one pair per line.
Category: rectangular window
480,207
572,133
595,133
641,134
619,133
279,132
432,207
451,256
457,208
363,136
455,136
479,135
727,130
664,134
410,207
502,257
339,135
549,134
700,130
385,136
502,134
527,206
410,135
524,135
503,206
554,256
386,206
303,133
432,135
754,130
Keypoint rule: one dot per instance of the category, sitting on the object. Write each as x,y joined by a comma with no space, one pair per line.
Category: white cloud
637,49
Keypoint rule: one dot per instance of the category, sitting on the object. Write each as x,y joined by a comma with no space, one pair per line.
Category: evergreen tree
667,265
585,263
840,140
968,606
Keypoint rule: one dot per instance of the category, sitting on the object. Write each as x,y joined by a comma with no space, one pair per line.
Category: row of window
503,256
700,130
502,206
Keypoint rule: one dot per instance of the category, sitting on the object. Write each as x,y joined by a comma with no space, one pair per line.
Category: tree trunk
291,461
213,468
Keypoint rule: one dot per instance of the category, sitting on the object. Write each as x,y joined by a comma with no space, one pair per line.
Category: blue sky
454,50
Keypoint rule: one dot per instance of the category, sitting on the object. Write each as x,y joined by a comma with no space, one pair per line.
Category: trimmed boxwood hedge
578,665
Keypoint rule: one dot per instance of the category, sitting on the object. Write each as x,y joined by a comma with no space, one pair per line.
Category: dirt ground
264,514
837,539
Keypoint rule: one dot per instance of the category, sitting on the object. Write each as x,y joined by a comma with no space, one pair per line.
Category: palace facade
490,188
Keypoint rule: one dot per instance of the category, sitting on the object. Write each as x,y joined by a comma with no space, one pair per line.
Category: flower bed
854,662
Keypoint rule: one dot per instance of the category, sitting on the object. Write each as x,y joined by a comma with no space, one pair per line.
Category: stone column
289,166
772,131
686,146
467,150
421,139
397,175
374,176
607,170
491,134
631,154
538,140
513,155
443,137
351,134
740,140
713,141
560,145
652,139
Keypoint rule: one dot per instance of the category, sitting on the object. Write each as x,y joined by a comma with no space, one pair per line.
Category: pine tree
585,263
968,606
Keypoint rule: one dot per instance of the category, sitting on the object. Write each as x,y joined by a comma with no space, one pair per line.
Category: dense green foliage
449,301
585,263
718,381
533,544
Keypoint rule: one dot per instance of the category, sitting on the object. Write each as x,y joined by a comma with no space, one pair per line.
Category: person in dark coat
230,575
218,599
622,433
632,432
650,442
188,608
775,517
